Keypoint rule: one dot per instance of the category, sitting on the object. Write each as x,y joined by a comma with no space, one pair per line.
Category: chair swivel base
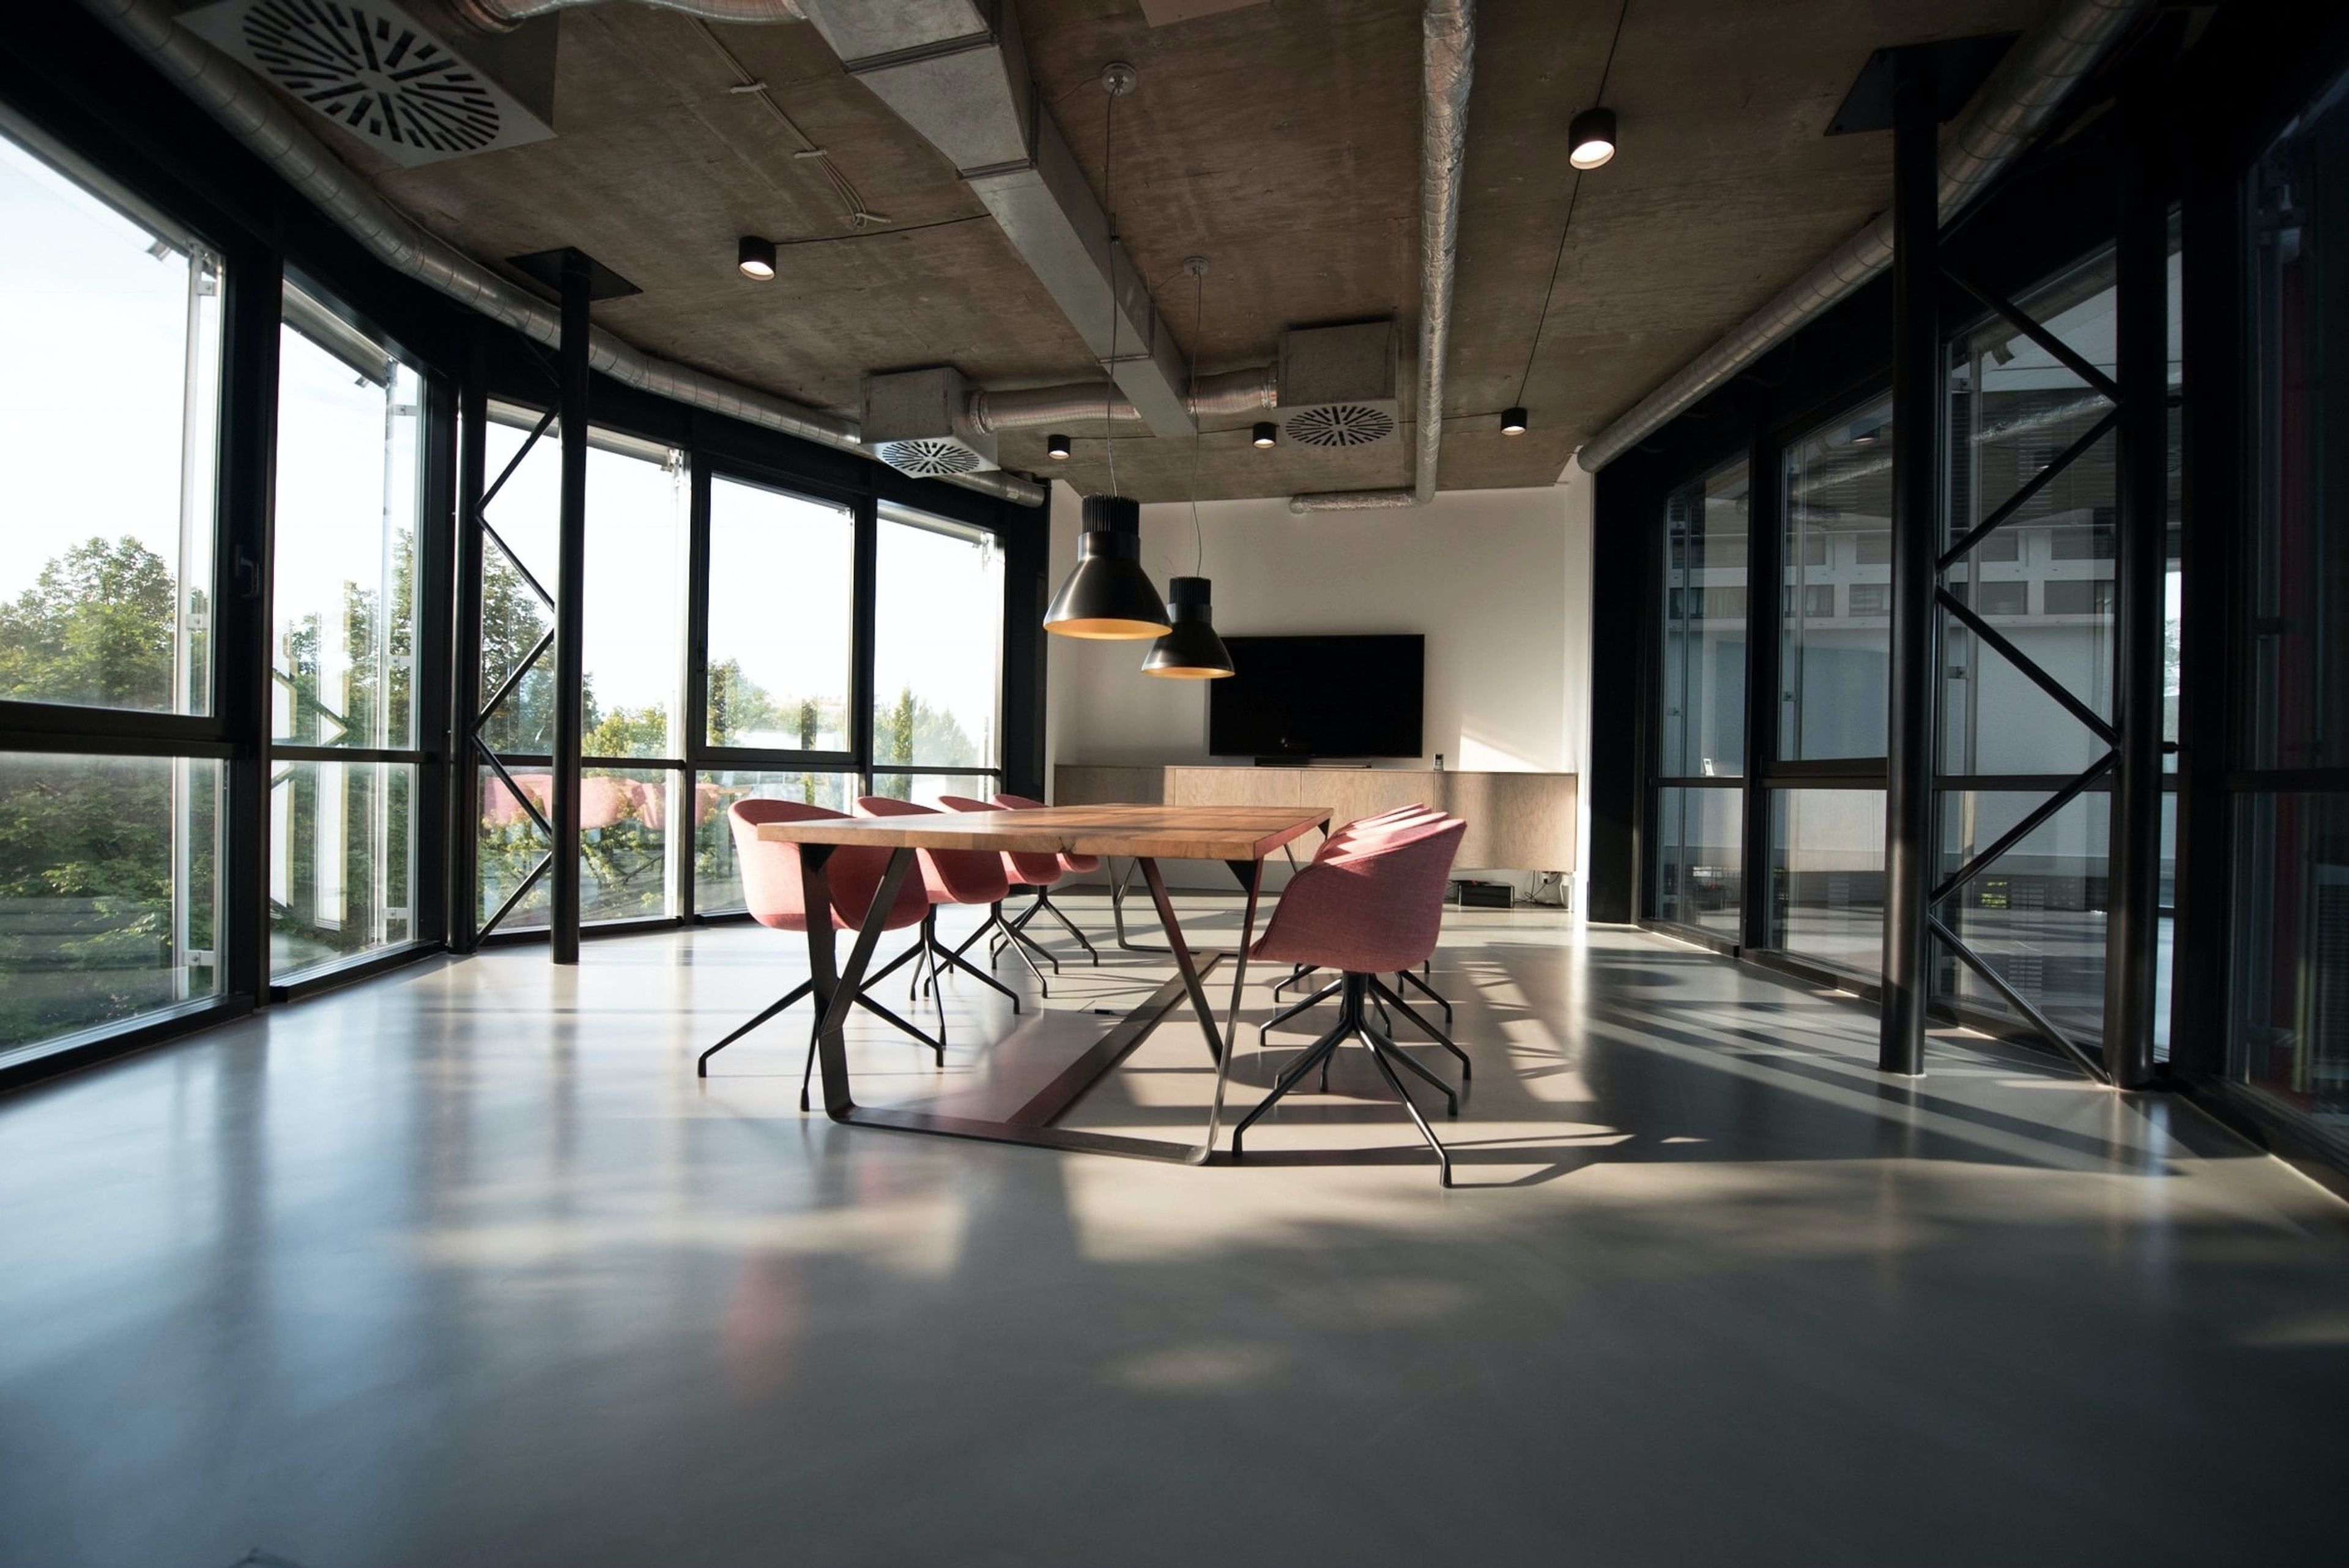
1353,1022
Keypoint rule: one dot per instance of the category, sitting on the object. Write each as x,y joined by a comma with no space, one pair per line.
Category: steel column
2133,927
1765,539
464,810
570,622
1912,678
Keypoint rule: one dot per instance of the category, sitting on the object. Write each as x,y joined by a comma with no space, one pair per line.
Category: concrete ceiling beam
956,71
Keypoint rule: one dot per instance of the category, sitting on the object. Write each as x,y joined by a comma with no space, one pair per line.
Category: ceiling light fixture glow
1266,434
755,257
1590,140
1513,421
1056,447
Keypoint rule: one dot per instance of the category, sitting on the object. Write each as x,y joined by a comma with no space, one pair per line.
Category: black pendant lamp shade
1109,595
1190,651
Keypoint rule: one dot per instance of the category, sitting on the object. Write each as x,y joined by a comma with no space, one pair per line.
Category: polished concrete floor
464,1266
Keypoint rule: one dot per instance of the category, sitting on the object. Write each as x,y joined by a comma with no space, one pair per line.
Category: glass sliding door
1696,876
110,332
938,657
344,756
2288,1029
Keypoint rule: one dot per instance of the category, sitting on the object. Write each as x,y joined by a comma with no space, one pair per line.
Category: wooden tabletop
1149,832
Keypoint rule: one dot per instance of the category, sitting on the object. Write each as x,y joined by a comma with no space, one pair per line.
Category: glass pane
937,643
635,602
1703,692
108,436
514,615
108,889
509,842
349,415
624,817
2290,1034
924,789
1827,875
2297,617
1838,512
2037,912
1699,857
2047,585
717,884
781,594
342,861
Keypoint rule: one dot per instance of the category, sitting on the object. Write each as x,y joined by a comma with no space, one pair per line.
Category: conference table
1239,837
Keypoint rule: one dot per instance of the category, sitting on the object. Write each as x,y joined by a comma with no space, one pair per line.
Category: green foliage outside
85,843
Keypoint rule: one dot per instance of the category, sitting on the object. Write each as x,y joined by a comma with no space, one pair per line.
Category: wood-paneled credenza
1517,822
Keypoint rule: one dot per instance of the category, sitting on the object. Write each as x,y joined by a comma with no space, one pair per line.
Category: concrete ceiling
1278,140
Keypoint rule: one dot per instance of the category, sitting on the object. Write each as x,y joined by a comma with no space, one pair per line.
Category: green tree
95,627
86,843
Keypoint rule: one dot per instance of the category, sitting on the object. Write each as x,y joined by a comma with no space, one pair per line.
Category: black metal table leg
836,987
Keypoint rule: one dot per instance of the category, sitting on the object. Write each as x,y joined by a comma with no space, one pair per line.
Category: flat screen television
1298,698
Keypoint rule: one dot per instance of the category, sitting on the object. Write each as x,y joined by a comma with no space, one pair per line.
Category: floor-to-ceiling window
110,318
2288,1034
344,750
1827,796
1699,877
938,657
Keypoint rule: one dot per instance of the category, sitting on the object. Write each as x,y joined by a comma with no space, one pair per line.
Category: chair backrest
1011,802
1026,868
770,873
954,876
1373,907
1373,826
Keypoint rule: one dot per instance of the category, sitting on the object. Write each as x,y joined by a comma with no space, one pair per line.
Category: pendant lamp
1190,651
1108,596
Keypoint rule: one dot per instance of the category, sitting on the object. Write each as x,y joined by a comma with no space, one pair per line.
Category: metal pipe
505,15
256,117
1235,394
2020,97
1447,69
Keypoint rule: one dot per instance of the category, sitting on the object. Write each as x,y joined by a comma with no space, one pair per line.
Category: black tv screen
1318,697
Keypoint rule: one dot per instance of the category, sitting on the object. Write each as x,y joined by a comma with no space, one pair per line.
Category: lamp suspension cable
1573,199
1197,268
1112,91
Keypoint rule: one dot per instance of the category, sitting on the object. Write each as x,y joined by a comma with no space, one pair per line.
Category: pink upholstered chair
1373,907
1070,864
1032,871
974,877
776,898
1338,844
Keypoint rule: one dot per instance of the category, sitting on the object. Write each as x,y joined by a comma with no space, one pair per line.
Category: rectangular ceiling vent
1338,384
918,422
375,71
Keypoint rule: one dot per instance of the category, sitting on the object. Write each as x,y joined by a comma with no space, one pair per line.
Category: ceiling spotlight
1056,447
1266,433
1590,140
1866,437
756,257
1513,421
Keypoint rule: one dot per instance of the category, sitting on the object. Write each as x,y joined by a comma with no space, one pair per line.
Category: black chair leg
701,1065
1293,1009
1289,1078
1430,1030
938,1046
1451,1101
1442,1155
1432,995
1044,902
956,961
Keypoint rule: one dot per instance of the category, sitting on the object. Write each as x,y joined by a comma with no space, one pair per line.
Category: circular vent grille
1340,424
375,75
928,459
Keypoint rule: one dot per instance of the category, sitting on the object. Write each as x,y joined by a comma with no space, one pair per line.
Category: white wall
1498,581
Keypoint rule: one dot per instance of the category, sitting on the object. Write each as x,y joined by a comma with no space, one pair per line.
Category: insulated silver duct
2012,107
505,15
1448,68
1232,395
256,117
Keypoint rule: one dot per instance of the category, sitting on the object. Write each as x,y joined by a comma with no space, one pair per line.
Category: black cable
1572,199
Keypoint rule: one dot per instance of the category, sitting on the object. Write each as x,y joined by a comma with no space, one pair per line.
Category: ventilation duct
1234,395
252,114
918,422
386,78
1448,71
2011,109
